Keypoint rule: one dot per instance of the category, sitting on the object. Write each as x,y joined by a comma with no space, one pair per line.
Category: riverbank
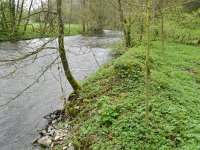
109,112
34,31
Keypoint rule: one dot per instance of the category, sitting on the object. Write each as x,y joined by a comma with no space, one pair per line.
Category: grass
74,29
112,102
35,31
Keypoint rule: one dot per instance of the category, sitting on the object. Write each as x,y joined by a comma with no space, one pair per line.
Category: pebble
51,136
71,148
51,133
54,122
56,138
44,132
77,107
45,141
65,148
50,128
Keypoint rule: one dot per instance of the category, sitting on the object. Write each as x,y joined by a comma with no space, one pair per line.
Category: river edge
52,135
39,123
59,128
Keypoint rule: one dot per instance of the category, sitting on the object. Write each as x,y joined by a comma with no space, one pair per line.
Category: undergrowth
113,108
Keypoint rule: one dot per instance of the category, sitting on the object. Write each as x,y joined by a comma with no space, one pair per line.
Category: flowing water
22,118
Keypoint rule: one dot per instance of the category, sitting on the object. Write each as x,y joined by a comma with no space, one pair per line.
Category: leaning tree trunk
70,78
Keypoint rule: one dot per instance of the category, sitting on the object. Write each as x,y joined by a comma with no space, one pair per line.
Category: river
22,118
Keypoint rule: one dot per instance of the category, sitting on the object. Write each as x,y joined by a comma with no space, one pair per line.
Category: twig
28,54
28,87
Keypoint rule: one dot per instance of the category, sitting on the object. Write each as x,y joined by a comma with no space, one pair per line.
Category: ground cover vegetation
112,108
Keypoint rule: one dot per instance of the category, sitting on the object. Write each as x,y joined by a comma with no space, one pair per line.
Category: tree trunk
127,35
162,32
83,26
20,16
147,85
27,21
12,8
70,78
70,17
125,29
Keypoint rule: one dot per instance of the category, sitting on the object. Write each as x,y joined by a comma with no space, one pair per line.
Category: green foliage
36,31
74,29
182,27
179,27
130,68
115,112
58,147
117,49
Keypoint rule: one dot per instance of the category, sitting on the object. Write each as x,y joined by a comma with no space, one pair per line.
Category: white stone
56,138
71,148
65,148
77,107
45,141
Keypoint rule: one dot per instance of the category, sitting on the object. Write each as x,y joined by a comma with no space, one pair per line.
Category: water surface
21,119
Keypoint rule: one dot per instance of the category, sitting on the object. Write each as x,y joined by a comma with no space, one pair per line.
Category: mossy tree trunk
147,85
68,74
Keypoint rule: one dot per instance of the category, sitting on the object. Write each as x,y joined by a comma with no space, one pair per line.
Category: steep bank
110,109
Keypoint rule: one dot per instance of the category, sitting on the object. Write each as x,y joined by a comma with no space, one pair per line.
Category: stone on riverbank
45,141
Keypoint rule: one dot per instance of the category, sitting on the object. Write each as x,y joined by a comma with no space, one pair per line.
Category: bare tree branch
28,87
28,54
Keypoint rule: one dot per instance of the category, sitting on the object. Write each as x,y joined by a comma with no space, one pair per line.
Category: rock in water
45,141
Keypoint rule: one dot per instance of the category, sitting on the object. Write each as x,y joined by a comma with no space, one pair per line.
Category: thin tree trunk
70,17
12,8
14,26
147,85
162,32
123,21
83,26
82,19
29,12
3,21
161,18
20,16
70,78
141,30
